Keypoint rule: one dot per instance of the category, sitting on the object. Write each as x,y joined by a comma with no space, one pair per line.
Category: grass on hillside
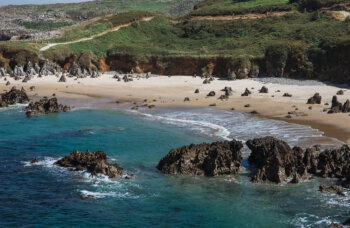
44,26
228,7
211,38
88,30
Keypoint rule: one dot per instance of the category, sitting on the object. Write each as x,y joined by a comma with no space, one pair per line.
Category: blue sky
19,2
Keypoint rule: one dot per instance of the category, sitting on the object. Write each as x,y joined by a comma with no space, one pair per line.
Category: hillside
311,43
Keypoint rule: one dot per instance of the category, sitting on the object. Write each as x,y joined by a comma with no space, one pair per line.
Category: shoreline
104,92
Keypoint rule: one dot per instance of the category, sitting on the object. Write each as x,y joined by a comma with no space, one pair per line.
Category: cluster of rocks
242,73
45,106
130,77
218,158
274,161
339,107
78,72
95,162
14,96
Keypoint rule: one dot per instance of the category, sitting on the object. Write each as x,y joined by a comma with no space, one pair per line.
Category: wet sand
104,92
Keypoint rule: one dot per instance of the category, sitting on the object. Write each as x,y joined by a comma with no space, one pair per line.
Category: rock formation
335,189
211,94
95,162
287,95
218,158
14,96
315,99
264,90
63,78
275,160
45,106
228,91
246,93
338,107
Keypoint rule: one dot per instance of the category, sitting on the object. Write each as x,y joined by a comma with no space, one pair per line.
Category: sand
167,91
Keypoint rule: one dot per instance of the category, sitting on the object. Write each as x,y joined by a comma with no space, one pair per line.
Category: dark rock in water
218,158
246,93
275,160
187,99
211,94
264,90
28,114
315,99
196,91
95,162
34,161
14,96
335,189
335,225
334,163
336,105
340,92
45,106
287,95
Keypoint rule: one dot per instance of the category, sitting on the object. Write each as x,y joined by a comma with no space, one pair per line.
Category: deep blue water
43,195
21,2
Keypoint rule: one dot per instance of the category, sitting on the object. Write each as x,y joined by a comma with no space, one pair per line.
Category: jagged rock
335,225
211,94
333,163
18,71
63,78
335,189
206,81
8,83
346,106
336,106
95,74
116,76
75,71
29,70
126,78
246,93
26,79
37,68
228,91
275,160
14,96
196,91
264,90
187,99
218,158
2,72
45,106
95,162
315,99
287,95
340,92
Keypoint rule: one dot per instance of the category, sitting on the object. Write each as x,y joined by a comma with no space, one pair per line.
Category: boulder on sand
211,94
218,158
315,99
336,105
264,90
246,93
63,78
95,162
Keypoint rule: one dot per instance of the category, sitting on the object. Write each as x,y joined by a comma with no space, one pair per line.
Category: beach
107,92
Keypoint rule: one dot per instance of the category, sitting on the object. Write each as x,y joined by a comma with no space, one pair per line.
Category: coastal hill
235,39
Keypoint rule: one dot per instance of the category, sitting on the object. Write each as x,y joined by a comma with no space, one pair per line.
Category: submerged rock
335,189
95,162
218,158
45,106
315,99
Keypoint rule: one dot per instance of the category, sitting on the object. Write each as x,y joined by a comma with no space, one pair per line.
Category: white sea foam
241,126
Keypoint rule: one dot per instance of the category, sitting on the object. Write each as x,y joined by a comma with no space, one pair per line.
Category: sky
19,2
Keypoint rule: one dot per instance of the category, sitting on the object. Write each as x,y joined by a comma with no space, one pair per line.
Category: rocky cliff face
218,158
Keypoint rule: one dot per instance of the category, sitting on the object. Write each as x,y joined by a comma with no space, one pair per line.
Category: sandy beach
106,91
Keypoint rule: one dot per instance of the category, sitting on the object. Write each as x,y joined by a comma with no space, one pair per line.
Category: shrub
276,56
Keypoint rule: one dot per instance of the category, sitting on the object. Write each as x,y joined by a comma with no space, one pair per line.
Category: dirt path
94,36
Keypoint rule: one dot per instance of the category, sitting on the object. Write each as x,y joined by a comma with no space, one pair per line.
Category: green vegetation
44,26
99,26
228,7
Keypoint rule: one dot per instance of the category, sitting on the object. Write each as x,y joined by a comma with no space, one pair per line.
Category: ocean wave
305,220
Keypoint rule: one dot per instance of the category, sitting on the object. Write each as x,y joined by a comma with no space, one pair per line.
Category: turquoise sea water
43,195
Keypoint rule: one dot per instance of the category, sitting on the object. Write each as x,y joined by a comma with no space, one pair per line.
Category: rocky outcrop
339,107
246,93
335,189
63,78
275,161
333,163
315,99
264,90
218,158
14,96
94,162
45,106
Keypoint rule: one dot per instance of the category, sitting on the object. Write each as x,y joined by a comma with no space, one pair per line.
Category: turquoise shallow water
43,195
